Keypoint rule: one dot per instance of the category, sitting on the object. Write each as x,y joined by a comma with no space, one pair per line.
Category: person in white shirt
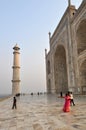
72,100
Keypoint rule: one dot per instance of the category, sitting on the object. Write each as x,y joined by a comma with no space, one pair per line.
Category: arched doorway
83,77
81,51
49,86
60,70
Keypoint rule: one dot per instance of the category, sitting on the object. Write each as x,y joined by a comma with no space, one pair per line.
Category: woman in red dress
66,107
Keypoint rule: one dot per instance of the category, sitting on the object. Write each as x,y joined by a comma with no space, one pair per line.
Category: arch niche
48,64
60,70
83,77
49,86
81,51
81,37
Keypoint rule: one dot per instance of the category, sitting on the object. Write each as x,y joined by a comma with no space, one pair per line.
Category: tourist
66,107
72,100
14,103
61,95
38,93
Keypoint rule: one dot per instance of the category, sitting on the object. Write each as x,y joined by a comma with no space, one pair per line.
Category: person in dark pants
61,95
72,100
14,103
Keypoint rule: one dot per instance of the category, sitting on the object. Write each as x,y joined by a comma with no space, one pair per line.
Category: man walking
14,103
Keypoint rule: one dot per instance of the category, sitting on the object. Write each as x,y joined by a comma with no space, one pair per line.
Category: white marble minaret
16,71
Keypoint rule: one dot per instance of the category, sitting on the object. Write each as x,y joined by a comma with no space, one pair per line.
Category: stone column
16,71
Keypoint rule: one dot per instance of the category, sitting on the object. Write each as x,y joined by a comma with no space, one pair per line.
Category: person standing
14,103
61,95
66,107
72,100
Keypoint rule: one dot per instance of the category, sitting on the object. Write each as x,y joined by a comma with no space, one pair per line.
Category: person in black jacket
14,103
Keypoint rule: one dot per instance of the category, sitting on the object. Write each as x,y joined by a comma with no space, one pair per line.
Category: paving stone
43,112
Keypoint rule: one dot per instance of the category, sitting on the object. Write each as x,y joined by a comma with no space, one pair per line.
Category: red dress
66,107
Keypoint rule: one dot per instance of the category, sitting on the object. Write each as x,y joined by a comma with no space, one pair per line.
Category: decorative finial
16,47
49,34
69,2
45,52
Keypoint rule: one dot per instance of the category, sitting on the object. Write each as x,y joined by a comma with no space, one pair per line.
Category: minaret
16,71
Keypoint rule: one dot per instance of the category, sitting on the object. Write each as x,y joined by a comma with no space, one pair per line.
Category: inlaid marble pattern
43,112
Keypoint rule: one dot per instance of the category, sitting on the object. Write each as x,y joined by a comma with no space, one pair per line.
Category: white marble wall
65,35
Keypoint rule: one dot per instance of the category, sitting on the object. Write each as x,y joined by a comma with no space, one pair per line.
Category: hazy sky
27,23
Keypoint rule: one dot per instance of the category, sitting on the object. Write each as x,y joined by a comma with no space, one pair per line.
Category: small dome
16,47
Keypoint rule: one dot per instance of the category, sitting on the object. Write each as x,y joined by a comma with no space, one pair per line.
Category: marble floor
43,112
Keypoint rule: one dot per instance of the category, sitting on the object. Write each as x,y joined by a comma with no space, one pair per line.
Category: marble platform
43,112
